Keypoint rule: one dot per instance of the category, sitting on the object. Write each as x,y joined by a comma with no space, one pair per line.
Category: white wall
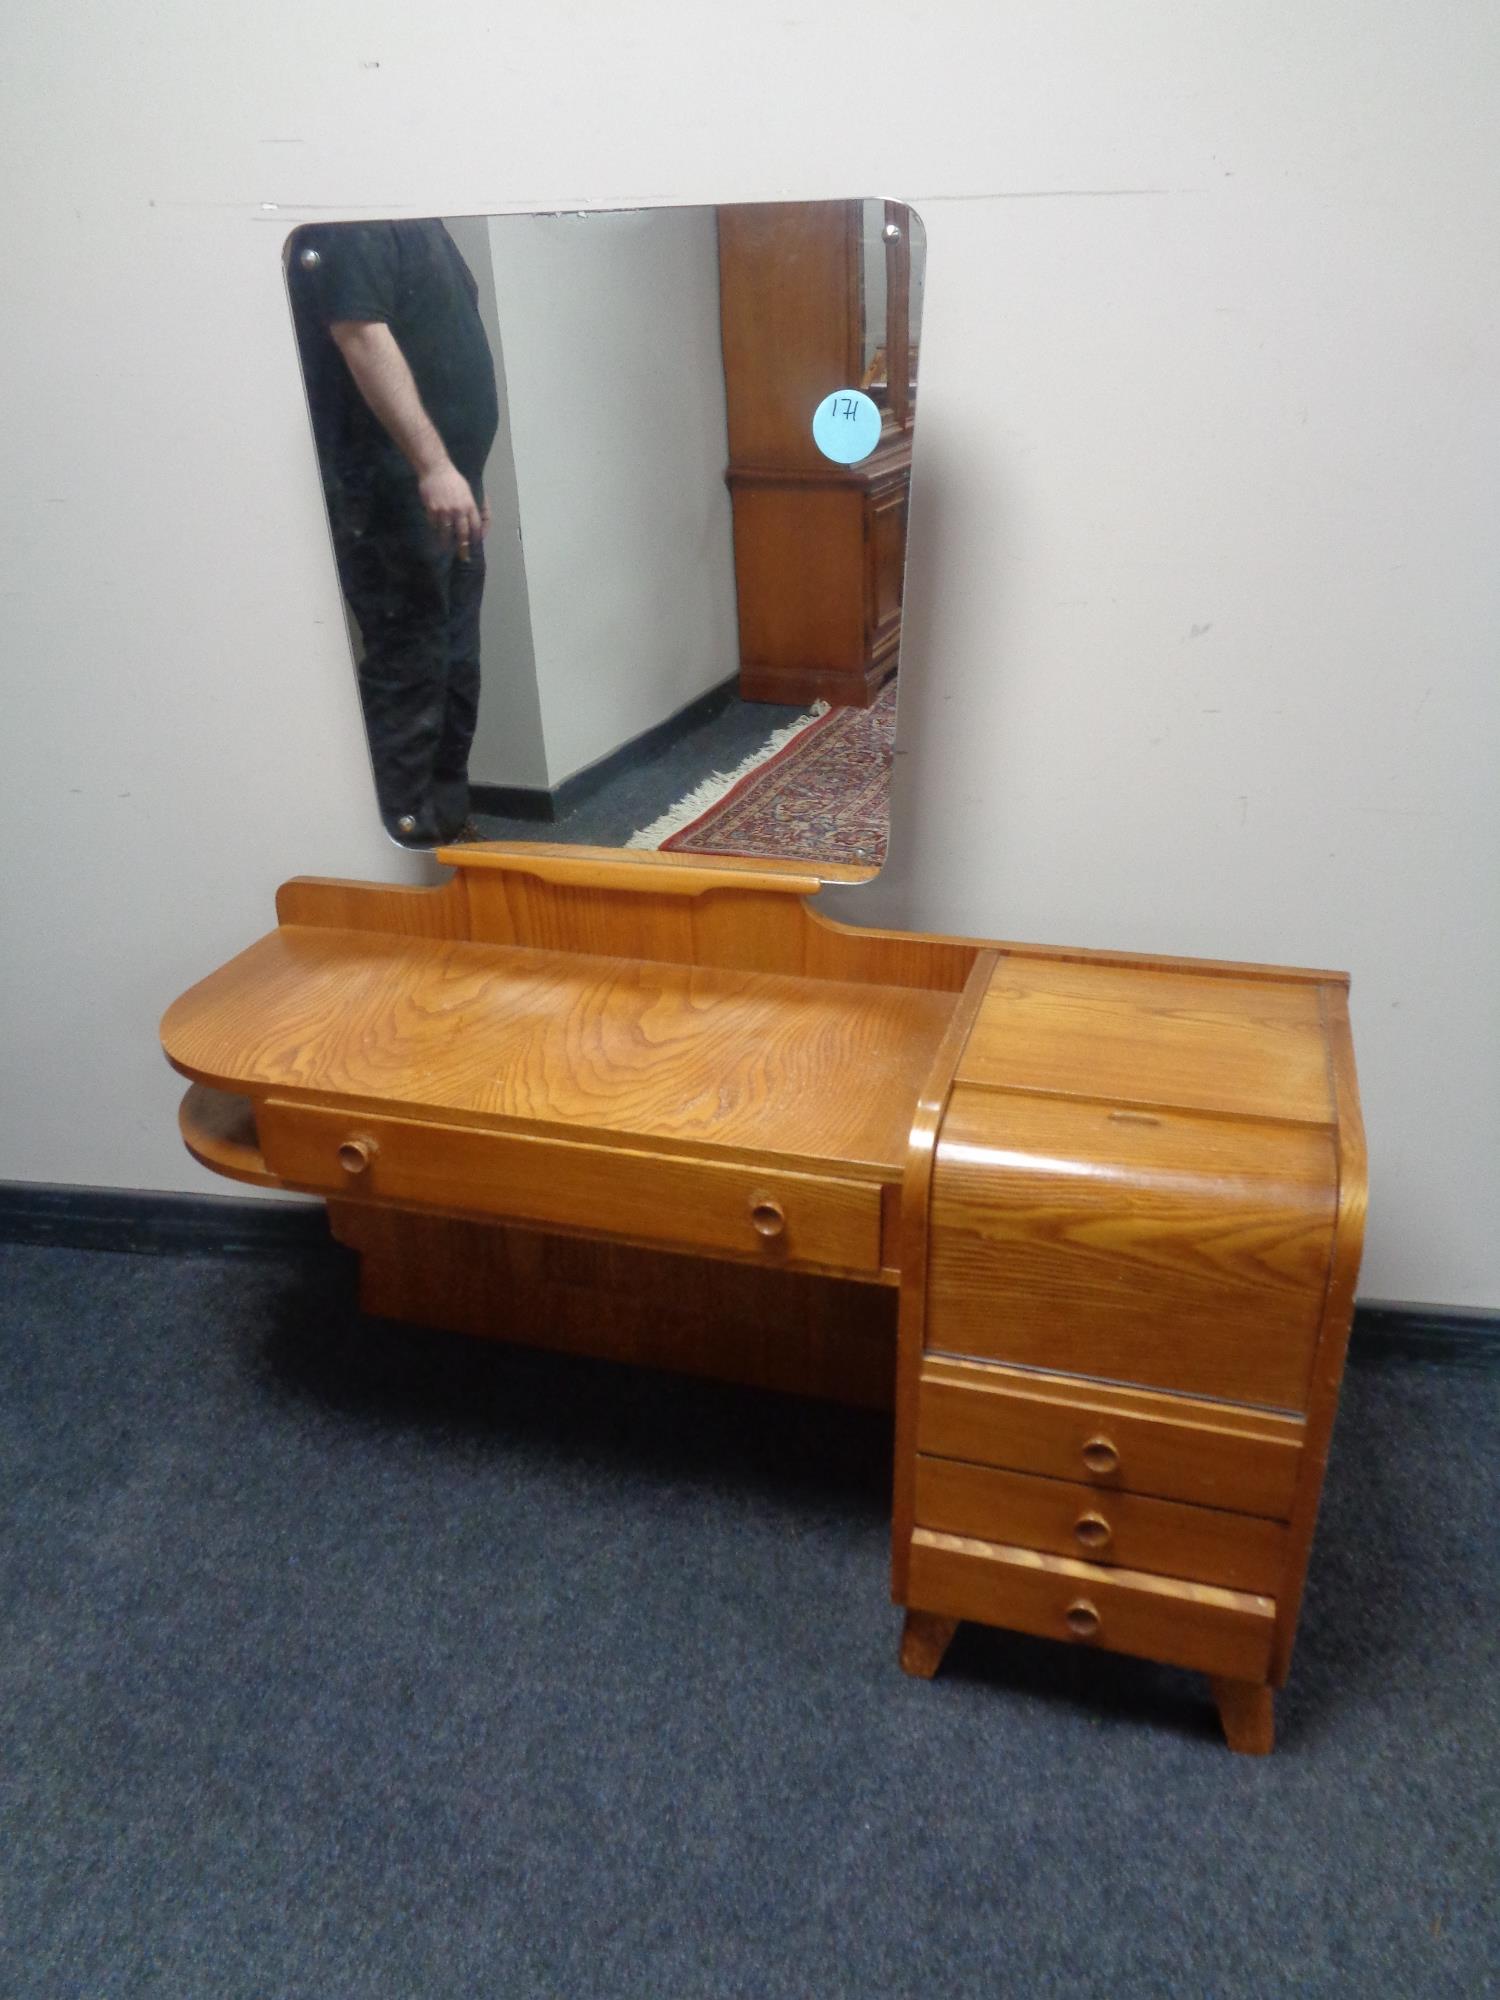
508,747
615,368
1210,345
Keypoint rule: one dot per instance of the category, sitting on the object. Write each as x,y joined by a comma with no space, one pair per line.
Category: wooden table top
764,1065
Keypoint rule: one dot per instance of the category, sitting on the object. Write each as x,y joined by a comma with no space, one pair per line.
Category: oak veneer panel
759,916
790,307
1338,1311
1170,1251
615,1190
1201,1544
1247,1711
916,1191
746,916
1175,1447
720,926
766,1328
795,1070
924,1639
437,911
1131,1035
637,870
1195,1625
799,559
219,1131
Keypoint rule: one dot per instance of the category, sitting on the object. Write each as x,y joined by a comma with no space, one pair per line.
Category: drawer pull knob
355,1155
1083,1620
767,1217
1093,1531
1099,1455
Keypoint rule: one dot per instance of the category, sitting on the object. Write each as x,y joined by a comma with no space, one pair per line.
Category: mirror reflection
602,584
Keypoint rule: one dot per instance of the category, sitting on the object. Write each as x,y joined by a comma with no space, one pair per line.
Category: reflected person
401,387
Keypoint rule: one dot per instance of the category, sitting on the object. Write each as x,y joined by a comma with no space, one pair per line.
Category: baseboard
157,1224
1458,1335
151,1223
539,803
513,802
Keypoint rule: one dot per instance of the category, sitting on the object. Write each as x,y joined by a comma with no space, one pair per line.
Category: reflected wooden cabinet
814,297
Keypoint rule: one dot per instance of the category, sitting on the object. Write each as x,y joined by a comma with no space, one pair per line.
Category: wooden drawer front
1174,1251
1202,1544
645,1197
1193,1625
1113,1440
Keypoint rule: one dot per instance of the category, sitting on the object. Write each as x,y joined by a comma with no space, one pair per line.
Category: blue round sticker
846,426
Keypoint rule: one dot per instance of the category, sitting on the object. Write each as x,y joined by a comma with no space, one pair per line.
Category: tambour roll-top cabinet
820,549
1094,1220
1120,1363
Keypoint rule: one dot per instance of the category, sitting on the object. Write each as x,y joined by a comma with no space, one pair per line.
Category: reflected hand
449,501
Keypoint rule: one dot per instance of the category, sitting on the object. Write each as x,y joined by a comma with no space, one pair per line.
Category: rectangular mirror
618,503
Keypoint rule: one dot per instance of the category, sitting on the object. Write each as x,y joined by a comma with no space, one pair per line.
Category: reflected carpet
821,795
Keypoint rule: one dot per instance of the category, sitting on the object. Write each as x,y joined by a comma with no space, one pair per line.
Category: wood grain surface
915,1203
758,1212
1172,1251
924,1640
736,914
1338,1314
1185,1624
1247,1711
789,943
763,1327
789,1070
437,911
636,869
1201,1544
1132,1036
219,1131
1127,1235
792,322
1173,1447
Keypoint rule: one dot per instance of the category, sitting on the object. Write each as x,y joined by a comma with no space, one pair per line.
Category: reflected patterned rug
818,791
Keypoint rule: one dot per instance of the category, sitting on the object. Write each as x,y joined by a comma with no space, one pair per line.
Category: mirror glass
602,584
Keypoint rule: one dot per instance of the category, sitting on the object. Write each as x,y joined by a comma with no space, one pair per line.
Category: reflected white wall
509,747
614,362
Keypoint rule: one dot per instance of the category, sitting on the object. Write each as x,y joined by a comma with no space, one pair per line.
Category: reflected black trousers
417,609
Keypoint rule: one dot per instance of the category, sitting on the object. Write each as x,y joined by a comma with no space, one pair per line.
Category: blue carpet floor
342,1661
653,782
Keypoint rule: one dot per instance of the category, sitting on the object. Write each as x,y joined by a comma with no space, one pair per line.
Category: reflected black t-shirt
411,277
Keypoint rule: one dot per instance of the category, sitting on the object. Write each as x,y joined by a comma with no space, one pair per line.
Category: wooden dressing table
1092,1222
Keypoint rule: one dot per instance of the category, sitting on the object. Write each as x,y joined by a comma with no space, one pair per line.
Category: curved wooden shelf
218,1129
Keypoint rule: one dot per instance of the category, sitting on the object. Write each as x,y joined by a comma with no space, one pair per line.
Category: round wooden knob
355,1155
1083,1620
1093,1531
767,1217
1099,1455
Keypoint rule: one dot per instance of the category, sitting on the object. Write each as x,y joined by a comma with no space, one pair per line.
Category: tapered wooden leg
1248,1712
924,1640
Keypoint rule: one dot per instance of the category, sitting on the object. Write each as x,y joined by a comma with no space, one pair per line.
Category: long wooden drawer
1121,1440
774,1217
1196,1625
1165,1537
